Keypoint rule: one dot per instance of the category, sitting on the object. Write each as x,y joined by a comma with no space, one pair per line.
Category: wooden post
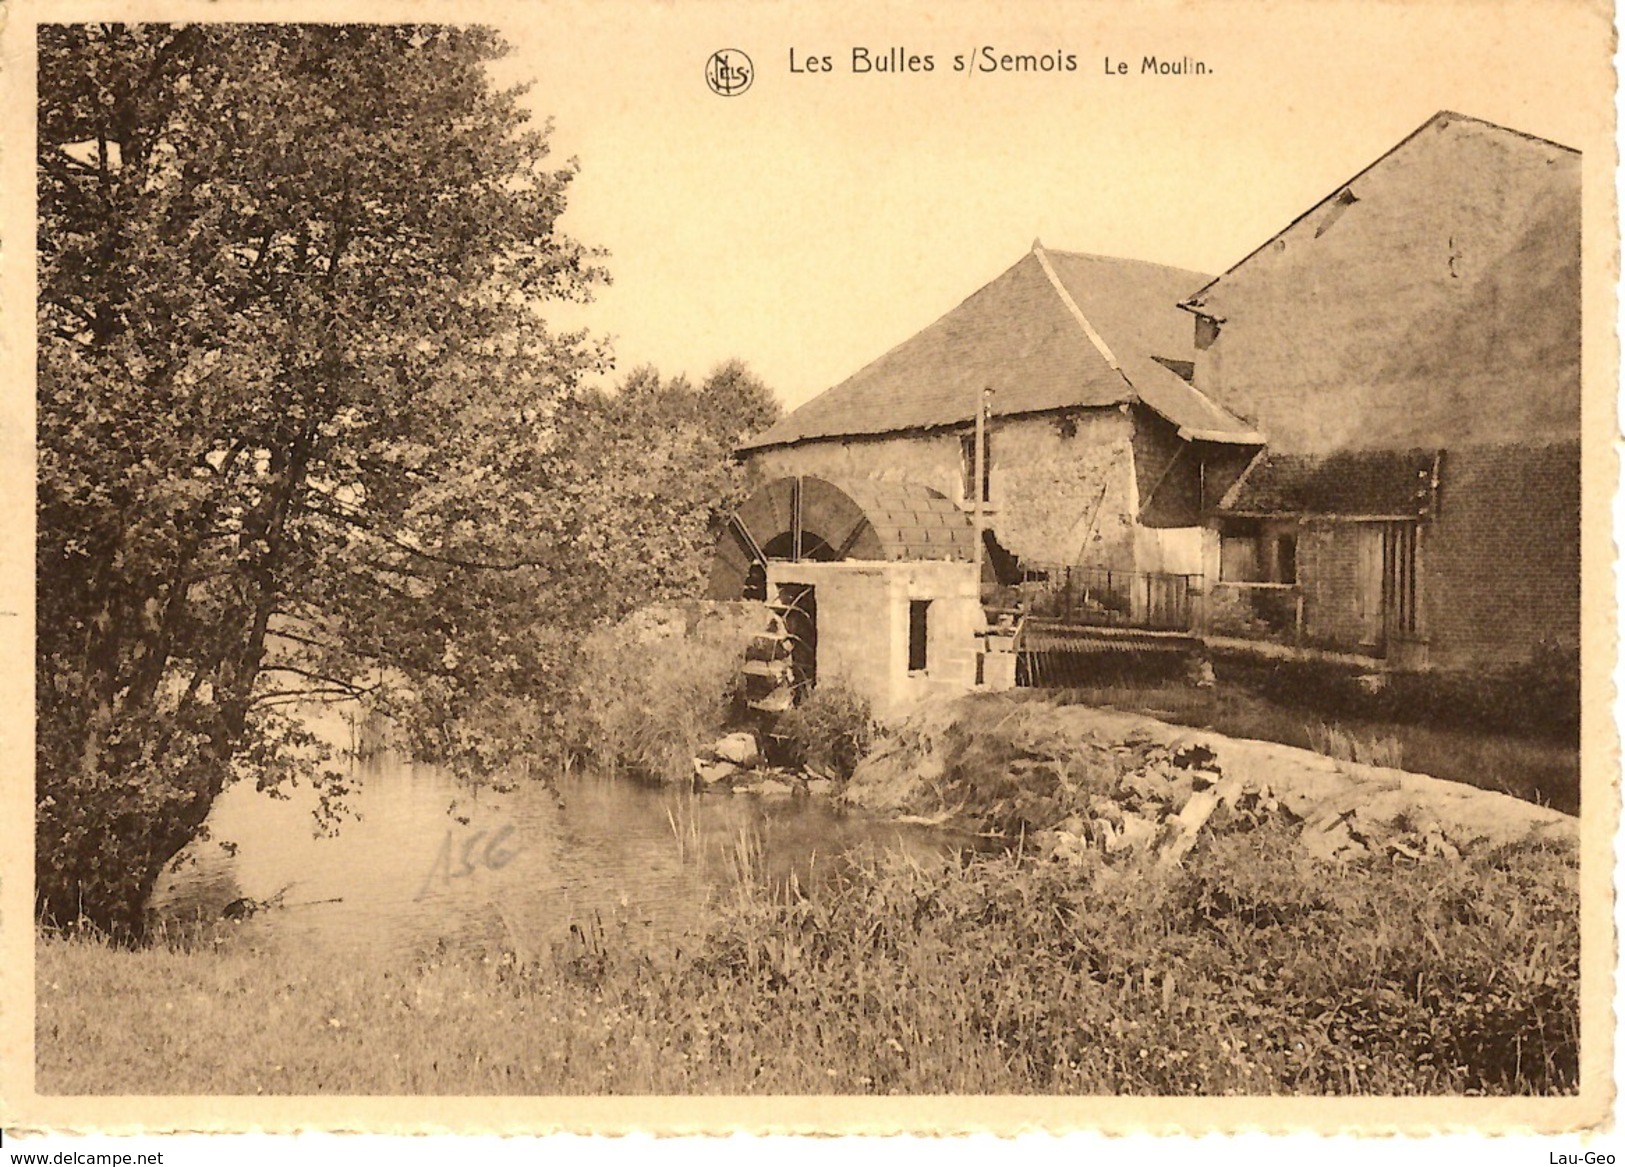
983,399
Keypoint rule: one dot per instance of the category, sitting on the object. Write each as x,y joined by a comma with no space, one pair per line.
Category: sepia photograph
706,568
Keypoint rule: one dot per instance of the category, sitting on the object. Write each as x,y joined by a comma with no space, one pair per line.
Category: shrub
649,692
1347,745
830,731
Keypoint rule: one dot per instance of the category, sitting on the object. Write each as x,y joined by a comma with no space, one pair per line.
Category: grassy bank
1250,969
1542,770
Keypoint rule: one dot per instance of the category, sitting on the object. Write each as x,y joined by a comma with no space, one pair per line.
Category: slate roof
912,521
1057,330
1366,483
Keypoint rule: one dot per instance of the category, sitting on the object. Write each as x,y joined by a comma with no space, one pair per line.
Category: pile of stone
1127,784
734,764
1162,805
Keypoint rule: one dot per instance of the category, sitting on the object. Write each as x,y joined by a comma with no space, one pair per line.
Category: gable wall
1440,308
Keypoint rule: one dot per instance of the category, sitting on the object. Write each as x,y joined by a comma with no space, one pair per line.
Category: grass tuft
1251,970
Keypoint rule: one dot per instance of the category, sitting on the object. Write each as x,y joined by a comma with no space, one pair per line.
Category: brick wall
1501,560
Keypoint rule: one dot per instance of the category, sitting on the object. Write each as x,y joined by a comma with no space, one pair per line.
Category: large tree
652,470
296,418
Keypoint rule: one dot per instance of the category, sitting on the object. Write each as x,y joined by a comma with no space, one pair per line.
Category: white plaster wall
863,618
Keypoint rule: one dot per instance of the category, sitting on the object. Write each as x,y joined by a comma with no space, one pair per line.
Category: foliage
1537,698
1252,970
294,416
1349,745
649,692
651,481
830,731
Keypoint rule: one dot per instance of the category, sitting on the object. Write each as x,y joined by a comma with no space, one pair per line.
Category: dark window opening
1184,370
1207,331
917,634
1251,551
813,547
967,465
1286,558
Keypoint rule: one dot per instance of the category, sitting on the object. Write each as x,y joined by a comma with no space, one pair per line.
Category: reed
1251,969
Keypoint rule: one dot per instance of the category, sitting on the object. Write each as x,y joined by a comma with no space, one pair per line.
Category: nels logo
729,72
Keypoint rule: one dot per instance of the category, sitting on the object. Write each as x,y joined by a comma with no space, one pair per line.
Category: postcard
843,569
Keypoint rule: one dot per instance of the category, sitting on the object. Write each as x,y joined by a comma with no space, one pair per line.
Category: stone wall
1062,487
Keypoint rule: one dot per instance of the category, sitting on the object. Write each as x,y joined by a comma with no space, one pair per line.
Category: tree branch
356,521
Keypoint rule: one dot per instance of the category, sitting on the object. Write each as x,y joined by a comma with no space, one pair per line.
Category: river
424,860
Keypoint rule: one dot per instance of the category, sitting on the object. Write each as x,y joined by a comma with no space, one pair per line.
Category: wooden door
1399,592
1369,582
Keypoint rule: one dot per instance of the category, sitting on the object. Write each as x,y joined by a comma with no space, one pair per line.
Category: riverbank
1249,968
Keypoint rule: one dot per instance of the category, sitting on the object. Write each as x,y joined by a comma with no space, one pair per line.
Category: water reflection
427,860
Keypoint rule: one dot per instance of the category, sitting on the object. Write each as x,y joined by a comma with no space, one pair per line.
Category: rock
1065,847
820,787
1134,831
738,748
1145,786
1204,778
1229,791
1178,792
1183,828
710,773
772,788
1335,837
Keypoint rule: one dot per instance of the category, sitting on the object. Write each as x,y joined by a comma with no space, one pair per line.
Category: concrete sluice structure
873,582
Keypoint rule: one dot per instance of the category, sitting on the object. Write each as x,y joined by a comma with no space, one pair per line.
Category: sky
813,222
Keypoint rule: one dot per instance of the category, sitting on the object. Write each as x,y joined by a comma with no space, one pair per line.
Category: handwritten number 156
470,856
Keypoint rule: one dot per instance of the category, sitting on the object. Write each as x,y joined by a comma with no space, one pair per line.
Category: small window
1254,552
1286,557
1207,331
967,466
918,634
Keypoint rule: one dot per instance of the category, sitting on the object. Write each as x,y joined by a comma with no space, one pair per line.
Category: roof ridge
1442,117
1077,314
1467,117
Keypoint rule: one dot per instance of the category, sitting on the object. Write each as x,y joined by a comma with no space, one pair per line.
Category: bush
650,691
1349,745
1538,697
830,731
